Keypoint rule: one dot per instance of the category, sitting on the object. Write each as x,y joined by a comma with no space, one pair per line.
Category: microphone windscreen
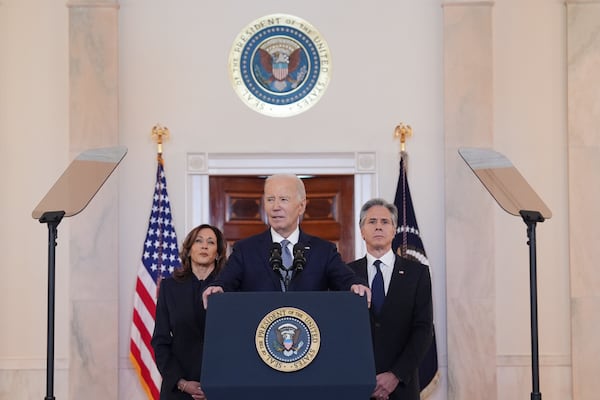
275,256
299,259
275,248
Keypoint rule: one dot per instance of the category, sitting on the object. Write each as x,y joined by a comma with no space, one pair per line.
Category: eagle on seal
287,337
279,65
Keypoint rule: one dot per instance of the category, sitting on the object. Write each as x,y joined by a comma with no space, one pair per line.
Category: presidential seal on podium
279,65
287,339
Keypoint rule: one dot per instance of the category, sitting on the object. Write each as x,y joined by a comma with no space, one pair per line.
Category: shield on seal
280,70
288,342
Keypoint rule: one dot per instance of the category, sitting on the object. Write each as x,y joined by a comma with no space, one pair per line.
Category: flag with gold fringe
408,244
160,256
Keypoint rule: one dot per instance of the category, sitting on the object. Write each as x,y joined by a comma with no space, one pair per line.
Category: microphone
299,258
275,260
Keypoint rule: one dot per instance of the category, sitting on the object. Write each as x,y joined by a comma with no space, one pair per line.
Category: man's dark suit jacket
403,330
248,268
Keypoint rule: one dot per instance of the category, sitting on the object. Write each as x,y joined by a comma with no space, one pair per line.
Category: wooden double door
236,207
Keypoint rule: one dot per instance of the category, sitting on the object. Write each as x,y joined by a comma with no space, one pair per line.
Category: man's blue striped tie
286,258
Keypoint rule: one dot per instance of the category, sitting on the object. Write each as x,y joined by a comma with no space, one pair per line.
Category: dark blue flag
408,244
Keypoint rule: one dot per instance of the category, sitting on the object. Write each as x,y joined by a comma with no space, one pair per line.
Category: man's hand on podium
362,290
208,291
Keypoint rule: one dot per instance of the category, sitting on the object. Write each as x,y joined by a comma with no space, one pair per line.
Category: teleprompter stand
69,196
510,190
52,218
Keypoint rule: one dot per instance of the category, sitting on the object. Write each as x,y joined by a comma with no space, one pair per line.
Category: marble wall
94,239
470,298
476,370
583,55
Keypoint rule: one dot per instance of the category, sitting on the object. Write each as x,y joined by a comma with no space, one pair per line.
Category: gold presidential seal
279,65
287,339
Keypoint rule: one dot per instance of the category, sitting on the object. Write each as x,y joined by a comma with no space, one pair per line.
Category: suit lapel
264,248
398,275
305,240
362,271
396,282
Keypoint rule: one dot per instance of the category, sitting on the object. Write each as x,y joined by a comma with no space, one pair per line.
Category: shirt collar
293,238
387,259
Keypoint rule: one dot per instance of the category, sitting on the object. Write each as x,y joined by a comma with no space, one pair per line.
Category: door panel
236,208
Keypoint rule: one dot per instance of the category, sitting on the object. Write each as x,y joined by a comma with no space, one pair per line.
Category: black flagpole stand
531,218
52,218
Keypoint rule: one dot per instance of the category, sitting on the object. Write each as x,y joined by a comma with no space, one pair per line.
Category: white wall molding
32,364
523,360
201,165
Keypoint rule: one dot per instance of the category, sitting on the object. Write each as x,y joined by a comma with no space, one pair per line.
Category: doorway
359,166
236,208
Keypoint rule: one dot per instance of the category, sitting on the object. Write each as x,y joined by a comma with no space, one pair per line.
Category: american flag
159,258
408,244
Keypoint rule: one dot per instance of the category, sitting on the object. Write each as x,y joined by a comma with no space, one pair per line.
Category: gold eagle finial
402,131
160,134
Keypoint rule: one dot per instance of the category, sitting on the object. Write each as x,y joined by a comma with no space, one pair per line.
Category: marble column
583,81
93,118
468,104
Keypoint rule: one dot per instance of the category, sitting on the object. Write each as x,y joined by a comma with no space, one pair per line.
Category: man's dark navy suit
248,267
403,330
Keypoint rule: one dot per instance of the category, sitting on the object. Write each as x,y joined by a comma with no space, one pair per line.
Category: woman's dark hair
184,254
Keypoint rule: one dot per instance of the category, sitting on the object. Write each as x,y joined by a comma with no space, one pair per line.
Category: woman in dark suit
178,337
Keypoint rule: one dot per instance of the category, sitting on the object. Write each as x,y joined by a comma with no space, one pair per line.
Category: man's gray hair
299,184
378,202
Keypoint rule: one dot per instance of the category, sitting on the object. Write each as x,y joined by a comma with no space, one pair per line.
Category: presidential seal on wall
279,65
287,339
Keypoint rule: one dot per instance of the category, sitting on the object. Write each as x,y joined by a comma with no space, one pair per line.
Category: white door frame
201,165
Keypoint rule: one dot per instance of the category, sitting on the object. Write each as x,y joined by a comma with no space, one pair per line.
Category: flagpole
408,244
160,256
